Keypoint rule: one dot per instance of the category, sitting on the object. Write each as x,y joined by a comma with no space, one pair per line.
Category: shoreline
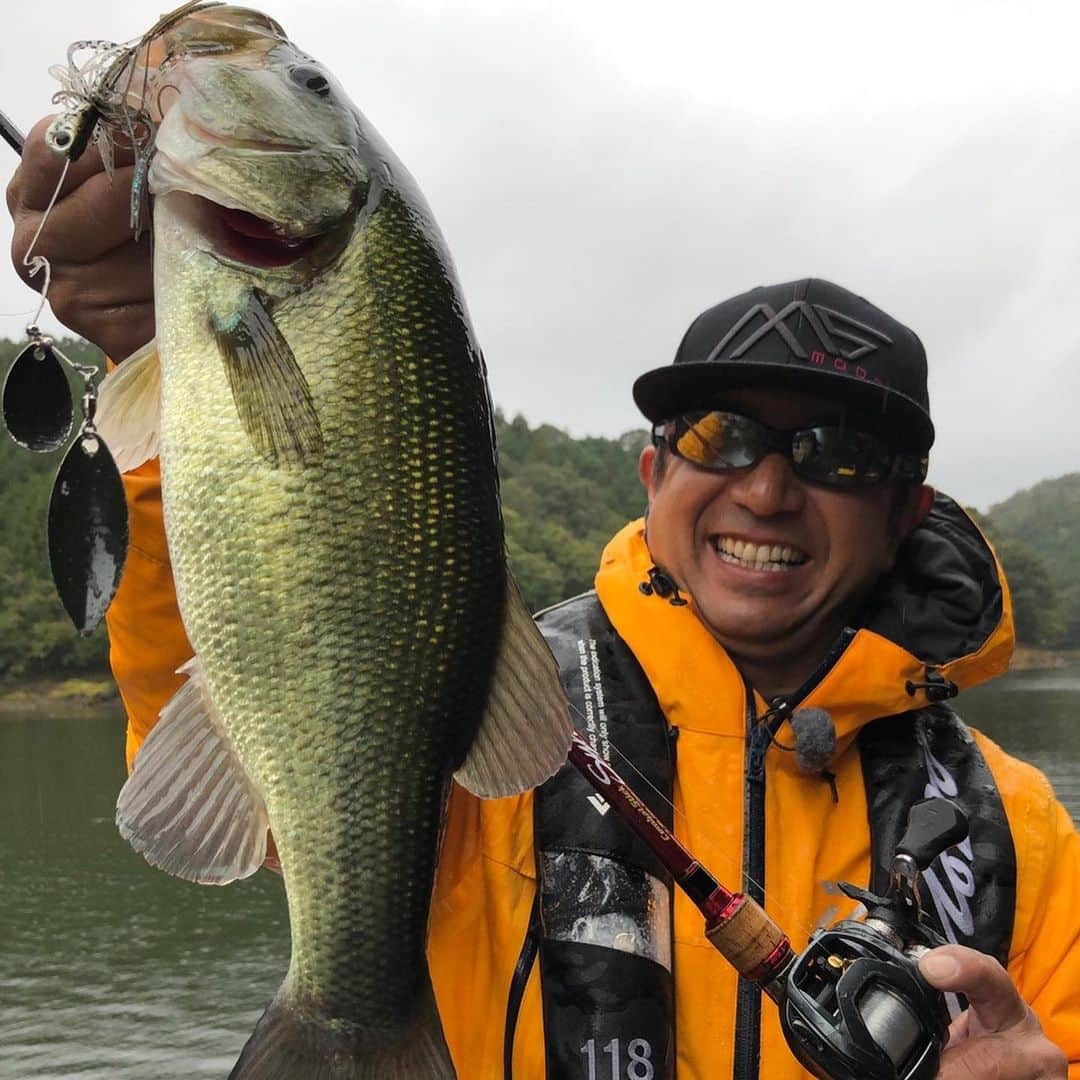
91,692
1029,658
96,691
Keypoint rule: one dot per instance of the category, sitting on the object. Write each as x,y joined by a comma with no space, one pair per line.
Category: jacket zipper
759,736
530,947
748,999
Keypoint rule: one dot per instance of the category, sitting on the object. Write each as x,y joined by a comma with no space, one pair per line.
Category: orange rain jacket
486,878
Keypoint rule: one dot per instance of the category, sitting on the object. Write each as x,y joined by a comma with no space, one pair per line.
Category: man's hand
102,287
998,1036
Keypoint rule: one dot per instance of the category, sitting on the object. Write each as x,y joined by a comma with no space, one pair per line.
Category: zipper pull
760,740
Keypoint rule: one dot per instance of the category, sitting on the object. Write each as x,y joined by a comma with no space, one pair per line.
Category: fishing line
36,263
105,98
790,918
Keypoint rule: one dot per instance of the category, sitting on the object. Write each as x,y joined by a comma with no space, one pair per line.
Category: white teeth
772,557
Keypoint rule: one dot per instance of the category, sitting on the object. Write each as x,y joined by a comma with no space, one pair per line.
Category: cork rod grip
746,937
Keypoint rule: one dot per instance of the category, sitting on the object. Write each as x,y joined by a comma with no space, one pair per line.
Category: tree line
563,499
1036,533
36,636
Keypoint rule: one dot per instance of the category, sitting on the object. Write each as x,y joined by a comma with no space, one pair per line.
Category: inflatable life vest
602,927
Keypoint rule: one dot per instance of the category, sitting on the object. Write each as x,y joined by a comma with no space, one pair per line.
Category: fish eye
312,79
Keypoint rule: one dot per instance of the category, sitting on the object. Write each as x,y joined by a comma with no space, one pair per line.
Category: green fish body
331,503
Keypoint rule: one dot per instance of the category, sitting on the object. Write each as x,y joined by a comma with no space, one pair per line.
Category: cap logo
838,334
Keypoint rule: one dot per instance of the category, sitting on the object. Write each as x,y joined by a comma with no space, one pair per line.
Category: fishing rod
853,1005
12,135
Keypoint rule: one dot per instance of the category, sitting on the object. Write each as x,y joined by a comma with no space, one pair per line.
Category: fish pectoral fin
129,408
524,736
189,807
272,396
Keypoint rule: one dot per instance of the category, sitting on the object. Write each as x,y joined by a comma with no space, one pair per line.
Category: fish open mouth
245,238
242,239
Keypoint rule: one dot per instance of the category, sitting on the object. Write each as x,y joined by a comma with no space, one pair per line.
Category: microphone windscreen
815,739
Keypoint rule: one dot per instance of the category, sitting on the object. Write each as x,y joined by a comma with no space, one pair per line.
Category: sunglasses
832,455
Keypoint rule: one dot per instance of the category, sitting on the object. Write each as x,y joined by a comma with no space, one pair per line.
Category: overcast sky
604,171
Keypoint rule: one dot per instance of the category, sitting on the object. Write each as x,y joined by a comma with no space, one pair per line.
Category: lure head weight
69,134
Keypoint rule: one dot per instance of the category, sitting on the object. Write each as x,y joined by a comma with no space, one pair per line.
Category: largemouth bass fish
331,503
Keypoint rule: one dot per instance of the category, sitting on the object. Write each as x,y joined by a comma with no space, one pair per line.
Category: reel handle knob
933,826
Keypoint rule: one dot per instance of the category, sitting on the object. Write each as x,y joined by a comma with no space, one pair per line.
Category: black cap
804,335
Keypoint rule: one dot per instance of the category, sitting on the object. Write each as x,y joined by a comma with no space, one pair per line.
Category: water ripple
113,971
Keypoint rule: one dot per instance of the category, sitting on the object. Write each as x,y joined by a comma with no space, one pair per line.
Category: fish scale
331,503
430,501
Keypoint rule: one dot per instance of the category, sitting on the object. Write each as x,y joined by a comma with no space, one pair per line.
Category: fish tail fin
290,1042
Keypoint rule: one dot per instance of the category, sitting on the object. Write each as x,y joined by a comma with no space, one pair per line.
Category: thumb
996,1004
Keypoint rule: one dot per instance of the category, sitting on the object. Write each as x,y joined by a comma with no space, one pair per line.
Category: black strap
607,988
604,1007
969,891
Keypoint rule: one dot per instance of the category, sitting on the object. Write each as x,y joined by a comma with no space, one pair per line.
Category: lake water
110,970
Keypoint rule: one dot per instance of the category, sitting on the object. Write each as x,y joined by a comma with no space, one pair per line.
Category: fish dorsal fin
524,736
272,396
129,408
188,805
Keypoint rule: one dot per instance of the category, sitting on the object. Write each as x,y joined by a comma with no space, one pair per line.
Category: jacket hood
947,602
943,613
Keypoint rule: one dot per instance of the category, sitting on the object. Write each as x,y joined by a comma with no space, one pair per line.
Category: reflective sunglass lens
845,458
803,447
719,440
835,456
700,439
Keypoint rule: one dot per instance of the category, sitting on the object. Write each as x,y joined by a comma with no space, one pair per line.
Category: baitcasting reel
855,1006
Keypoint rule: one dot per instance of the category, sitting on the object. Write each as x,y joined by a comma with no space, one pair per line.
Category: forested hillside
1038,535
36,636
563,498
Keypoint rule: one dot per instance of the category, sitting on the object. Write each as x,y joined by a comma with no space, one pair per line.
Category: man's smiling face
776,566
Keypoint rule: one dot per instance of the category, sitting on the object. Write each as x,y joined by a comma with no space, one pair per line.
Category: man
793,587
